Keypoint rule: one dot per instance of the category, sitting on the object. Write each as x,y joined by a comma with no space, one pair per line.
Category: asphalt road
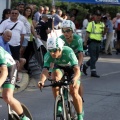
101,95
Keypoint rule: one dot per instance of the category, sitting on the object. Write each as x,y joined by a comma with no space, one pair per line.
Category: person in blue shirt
4,39
109,35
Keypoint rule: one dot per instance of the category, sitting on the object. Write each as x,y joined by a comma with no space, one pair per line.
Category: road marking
108,60
103,75
110,73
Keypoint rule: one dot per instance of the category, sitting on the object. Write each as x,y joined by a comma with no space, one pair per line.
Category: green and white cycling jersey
6,58
76,44
68,58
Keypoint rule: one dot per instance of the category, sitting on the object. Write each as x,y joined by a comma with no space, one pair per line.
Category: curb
23,83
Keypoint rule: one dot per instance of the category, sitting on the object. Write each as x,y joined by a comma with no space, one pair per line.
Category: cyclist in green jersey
74,41
64,61
8,73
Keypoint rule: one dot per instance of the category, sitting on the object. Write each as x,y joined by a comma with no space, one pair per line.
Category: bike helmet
68,24
55,43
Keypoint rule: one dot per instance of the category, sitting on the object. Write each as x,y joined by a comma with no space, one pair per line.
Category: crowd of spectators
24,22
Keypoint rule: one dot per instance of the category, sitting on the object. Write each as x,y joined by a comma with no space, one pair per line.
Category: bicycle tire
26,111
14,116
61,116
72,111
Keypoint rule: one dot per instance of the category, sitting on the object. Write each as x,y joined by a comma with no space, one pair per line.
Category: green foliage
83,9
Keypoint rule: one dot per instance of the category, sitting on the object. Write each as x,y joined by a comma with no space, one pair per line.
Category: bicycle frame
63,85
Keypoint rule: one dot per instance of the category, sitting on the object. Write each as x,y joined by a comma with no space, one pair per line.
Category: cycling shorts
67,71
11,78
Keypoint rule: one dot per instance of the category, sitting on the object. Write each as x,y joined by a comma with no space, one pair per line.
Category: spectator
115,19
84,25
27,49
5,14
64,16
56,17
109,35
17,33
50,23
4,39
27,14
20,7
46,10
43,29
72,18
38,15
117,29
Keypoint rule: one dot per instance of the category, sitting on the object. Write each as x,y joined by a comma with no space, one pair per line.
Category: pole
53,2
8,4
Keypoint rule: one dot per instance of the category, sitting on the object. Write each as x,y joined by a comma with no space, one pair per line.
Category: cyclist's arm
3,74
80,58
45,72
44,75
80,51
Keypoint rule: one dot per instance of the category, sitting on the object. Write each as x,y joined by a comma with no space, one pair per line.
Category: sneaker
25,118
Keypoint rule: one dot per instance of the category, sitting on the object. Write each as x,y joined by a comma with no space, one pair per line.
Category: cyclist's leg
7,95
8,90
81,91
77,100
57,75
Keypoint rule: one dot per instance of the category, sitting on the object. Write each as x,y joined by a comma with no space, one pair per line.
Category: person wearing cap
95,31
65,61
75,42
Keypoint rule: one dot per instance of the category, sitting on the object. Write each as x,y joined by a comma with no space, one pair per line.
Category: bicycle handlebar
59,83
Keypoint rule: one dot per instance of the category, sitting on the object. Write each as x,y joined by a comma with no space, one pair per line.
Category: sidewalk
24,81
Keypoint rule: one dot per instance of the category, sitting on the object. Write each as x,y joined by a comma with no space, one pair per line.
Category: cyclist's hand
40,85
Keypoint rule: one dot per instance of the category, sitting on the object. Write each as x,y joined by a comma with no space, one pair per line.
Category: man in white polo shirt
18,31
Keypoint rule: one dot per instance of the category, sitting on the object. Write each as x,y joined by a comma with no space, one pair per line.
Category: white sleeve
85,23
23,31
2,26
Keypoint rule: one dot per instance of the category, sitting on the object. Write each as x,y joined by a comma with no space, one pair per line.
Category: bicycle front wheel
72,111
62,114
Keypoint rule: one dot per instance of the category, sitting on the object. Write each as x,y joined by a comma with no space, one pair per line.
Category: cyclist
7,81
64,61
74,41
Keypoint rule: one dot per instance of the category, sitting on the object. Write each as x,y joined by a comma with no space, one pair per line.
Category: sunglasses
53,50
14,13
66,31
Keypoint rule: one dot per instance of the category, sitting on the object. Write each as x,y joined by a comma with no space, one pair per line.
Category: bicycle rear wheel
26,111
13,115
62,115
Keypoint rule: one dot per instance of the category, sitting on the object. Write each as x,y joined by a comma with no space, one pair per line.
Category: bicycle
12,115
64,97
